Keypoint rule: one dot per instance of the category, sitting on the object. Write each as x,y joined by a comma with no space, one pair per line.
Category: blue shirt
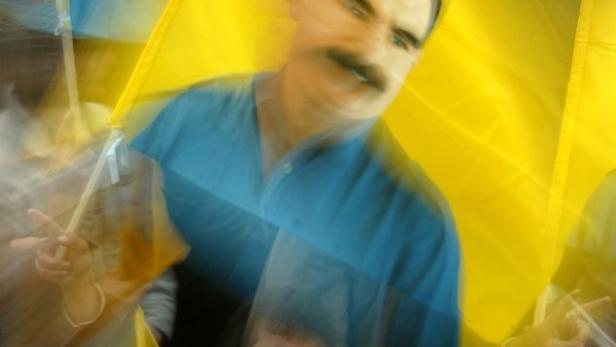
337,230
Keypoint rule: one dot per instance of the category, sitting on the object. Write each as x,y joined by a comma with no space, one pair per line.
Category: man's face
351,57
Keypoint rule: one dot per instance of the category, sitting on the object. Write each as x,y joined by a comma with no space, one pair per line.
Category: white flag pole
65,29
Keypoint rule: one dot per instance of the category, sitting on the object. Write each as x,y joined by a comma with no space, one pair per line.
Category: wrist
83,304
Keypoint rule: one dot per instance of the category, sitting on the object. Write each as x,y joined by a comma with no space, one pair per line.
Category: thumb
564,305
53,229
26,243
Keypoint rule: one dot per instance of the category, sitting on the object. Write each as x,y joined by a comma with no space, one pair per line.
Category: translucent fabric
510,112
49,152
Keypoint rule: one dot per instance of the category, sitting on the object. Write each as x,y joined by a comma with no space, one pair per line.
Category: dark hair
436,12
294,315
28,59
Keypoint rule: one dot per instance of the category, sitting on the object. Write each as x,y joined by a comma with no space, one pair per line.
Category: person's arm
428,312
564,326
159,305
82,300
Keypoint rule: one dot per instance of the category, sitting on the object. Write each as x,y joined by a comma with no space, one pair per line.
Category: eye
398,41
355,10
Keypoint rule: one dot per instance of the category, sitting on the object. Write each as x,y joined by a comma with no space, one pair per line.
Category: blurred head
266,337
29,60
289,318
352,56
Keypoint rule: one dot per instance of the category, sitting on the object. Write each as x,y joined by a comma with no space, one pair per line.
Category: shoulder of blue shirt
430,254
212,94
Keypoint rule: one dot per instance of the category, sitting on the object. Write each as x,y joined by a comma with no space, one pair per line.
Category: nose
369,39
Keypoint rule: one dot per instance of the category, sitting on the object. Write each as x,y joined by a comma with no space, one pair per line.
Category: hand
562,328
82,299
47,268
601,274
75,268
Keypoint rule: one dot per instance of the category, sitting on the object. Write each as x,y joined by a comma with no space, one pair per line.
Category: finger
55,276
572,329
589,307
566,302
557,343
596,304
46,261
73,241
561,309
583,331
49,245
565,327
75,246
52,227
52,276
26,243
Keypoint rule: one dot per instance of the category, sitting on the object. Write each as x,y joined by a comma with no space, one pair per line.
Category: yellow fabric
509,112
517,135
143,333
591,105
482,115
196,40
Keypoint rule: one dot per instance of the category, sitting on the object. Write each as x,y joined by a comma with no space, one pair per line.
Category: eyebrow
365,4
412,39
407,35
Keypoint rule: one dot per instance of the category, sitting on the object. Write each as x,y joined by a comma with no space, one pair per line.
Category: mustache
370,74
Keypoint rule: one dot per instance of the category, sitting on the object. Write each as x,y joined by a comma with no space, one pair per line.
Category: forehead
412,15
